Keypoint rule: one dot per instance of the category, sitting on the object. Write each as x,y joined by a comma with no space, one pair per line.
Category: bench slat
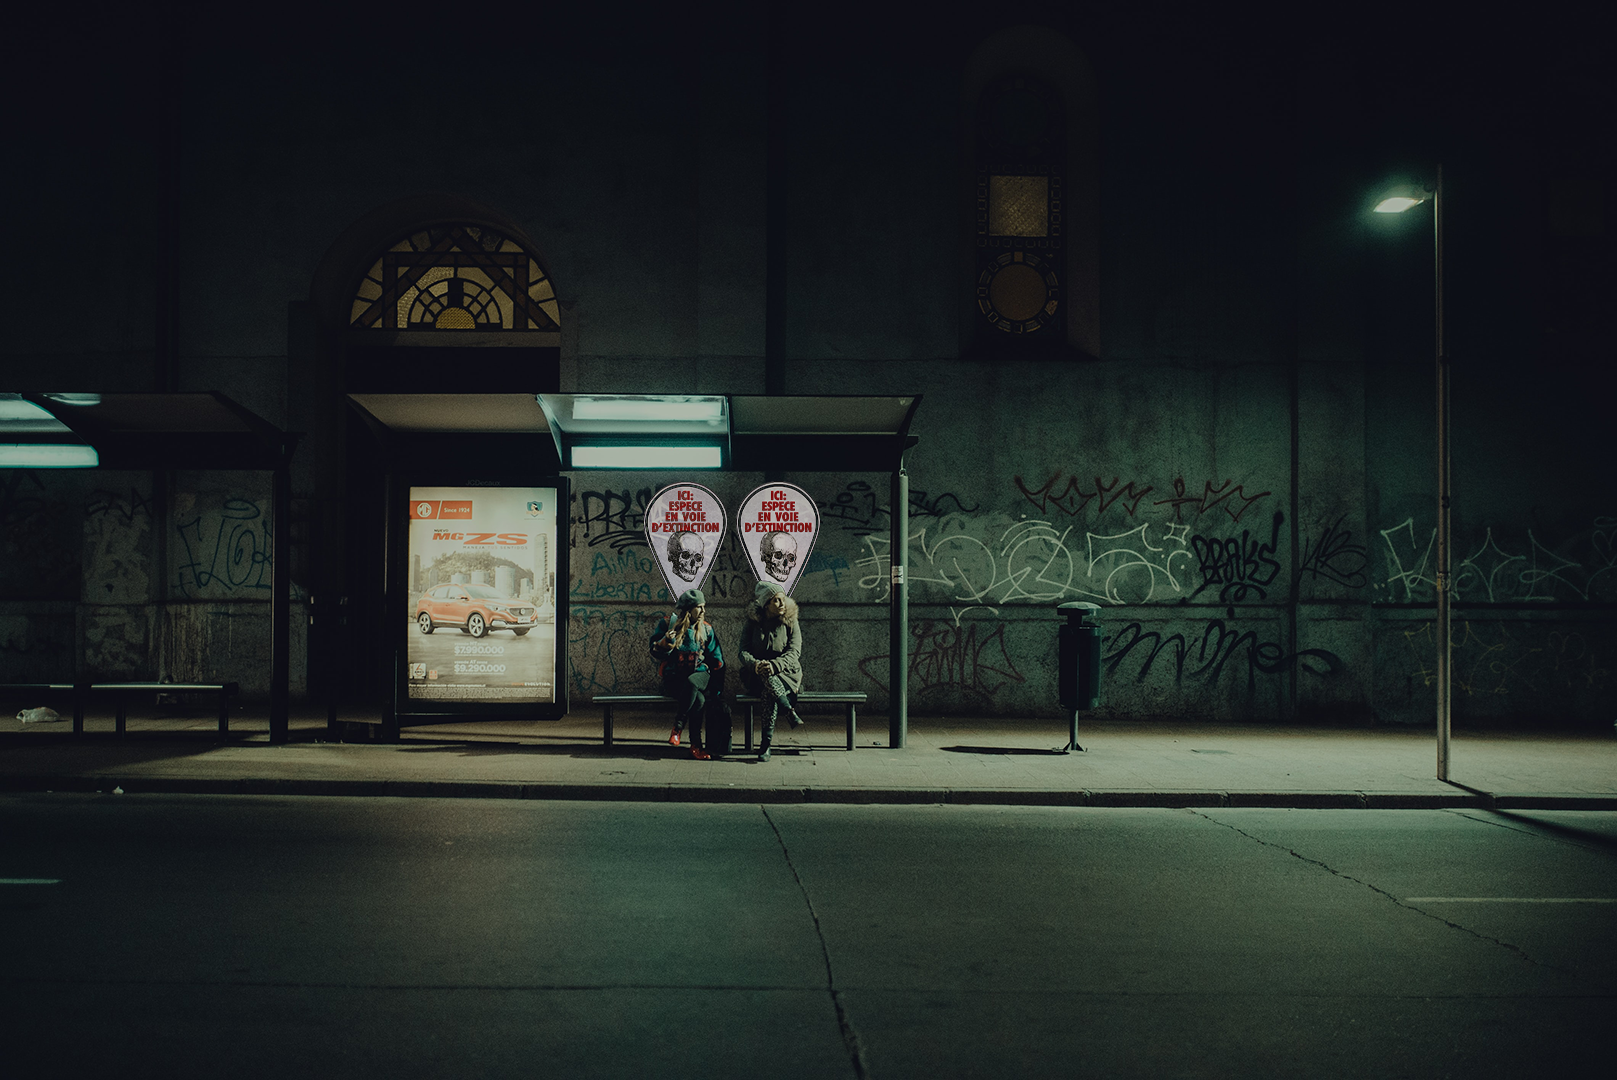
812,696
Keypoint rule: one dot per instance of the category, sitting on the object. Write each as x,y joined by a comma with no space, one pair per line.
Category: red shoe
673,737
700,755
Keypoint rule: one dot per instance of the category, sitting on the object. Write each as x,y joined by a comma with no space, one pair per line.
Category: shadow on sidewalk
1058,751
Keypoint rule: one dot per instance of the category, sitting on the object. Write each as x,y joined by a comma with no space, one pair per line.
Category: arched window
1032,144
1021,151
456,278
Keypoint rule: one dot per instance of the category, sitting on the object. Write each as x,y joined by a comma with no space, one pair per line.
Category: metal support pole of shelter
1444,640
898,712
281,601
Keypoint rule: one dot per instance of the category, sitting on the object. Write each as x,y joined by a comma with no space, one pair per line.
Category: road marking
1510,900
30,881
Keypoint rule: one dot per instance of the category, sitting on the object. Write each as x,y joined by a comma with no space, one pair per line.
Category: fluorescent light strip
47,456
647,457
17,415
610,408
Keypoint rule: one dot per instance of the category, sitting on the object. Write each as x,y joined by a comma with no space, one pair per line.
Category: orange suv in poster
474,610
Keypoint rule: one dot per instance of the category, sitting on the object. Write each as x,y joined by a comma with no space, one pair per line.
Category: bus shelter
557,434
160,432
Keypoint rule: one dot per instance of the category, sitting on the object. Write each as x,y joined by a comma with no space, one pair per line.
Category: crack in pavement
850,1037
1382,892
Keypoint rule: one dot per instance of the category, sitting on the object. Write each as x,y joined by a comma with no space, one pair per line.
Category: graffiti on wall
1584,568
613,519
1241,568
117,556
970,661
1207,653
1498,658
963,555
1333,555
608,649
224,549
1034,561
1071,497
33,528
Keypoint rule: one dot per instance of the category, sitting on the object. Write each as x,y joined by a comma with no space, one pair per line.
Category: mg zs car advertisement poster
482,595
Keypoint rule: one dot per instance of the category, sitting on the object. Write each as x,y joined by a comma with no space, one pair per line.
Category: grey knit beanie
763,591
689,599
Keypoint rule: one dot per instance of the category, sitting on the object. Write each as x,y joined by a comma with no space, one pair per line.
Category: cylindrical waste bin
1078,663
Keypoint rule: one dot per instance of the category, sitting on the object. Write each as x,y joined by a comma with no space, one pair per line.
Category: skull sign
685,556
685,525
776,526
778,551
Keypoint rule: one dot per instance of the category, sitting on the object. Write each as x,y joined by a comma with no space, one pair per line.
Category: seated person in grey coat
772,657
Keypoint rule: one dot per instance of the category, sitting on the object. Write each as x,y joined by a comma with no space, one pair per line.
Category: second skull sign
776,525
684,528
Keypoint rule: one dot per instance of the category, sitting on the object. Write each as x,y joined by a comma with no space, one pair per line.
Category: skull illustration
779,554
685,554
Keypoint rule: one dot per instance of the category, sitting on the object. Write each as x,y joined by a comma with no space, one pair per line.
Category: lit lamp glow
1397,204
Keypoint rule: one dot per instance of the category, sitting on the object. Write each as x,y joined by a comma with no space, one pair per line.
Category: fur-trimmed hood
788,612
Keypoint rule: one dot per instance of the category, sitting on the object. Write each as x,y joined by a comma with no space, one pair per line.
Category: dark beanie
690,598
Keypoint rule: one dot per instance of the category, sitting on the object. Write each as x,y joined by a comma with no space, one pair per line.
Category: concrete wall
1242,478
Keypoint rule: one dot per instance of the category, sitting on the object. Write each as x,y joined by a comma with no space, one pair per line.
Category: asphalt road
281,937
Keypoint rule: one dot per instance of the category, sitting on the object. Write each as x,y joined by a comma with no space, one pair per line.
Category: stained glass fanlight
456,278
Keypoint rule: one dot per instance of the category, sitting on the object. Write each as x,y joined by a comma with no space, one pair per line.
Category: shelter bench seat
851,699
121,691
606,701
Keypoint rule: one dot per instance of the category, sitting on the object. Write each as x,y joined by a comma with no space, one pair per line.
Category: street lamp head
1397,204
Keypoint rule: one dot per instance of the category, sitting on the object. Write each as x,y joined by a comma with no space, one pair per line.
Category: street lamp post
1394,205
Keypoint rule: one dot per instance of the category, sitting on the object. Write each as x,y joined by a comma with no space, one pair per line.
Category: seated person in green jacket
690,665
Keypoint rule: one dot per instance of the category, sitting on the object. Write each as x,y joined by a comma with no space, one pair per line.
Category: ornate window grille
456,278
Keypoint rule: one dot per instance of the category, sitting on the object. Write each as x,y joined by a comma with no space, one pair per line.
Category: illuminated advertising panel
481,566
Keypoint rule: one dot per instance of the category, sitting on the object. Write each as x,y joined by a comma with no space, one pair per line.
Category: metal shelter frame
768,433
207,431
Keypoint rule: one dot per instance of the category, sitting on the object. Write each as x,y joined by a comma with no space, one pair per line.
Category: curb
889,796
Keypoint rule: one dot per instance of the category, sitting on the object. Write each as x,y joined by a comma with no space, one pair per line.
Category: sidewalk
947,760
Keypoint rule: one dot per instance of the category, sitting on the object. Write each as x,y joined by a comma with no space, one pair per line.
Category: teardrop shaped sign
684,527
777,525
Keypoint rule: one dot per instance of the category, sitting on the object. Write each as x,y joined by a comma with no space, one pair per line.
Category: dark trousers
691,693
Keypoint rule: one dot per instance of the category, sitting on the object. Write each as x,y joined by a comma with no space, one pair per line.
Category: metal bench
852,699
121,691
607,701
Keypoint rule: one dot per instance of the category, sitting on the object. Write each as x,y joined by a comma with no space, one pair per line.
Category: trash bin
1078,663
